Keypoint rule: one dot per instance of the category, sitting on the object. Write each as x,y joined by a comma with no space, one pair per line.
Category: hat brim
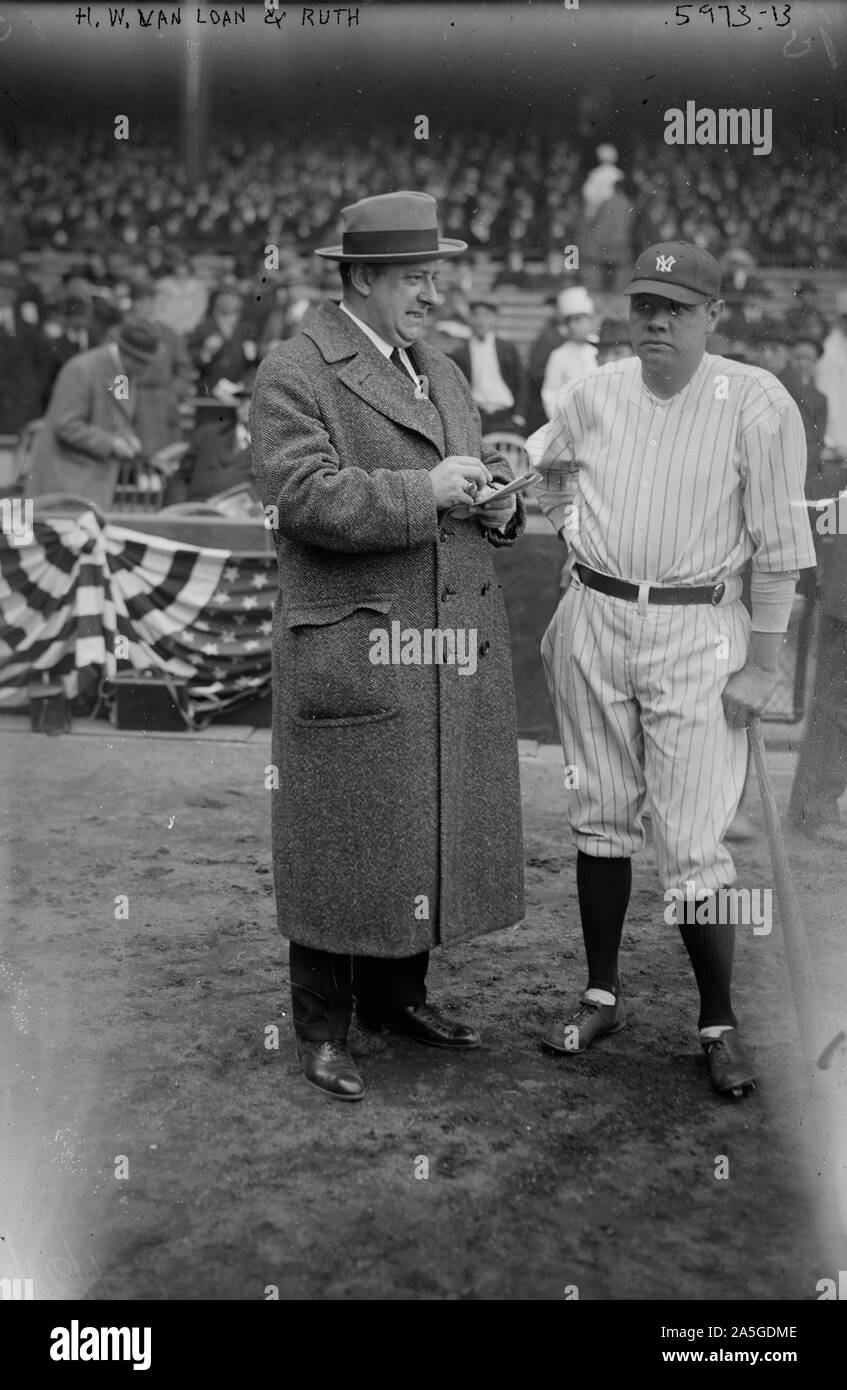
447,246
679,293
136,355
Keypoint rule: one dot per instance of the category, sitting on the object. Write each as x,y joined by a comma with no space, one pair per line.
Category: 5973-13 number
781,14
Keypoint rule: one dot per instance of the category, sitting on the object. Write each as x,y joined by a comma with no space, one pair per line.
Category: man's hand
495,515
168,459
126,448
456,479
747,692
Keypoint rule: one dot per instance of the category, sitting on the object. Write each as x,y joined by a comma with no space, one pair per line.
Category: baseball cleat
589,1022
730,1067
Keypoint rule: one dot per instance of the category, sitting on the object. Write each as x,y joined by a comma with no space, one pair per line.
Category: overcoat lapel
374,380
445,394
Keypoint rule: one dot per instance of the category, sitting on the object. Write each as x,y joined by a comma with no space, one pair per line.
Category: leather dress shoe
588,1022
422,1022
730,1067
329,1067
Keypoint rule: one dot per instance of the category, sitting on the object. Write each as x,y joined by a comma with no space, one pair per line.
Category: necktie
398,361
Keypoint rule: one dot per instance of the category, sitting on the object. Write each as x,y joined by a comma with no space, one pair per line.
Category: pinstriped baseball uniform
681,491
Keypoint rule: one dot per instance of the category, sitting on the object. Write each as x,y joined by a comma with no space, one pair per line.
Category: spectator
24,362
613,342
66,332
552,336
600,184
182,297
222,350
831,378
770,343
798,378
804,315
296,298
577,355
218,457
89,429
172,367
737,266
494,370
606,242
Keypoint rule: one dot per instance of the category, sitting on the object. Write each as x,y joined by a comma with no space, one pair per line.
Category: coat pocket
330,677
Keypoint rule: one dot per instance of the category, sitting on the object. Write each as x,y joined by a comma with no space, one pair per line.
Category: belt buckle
718,593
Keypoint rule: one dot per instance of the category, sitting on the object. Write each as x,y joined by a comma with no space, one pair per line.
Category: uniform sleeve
773,468
558,467
318,502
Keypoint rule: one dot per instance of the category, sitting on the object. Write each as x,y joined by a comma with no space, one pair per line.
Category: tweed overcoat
72,452
397,824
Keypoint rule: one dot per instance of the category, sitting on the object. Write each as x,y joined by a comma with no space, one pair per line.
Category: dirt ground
144,1039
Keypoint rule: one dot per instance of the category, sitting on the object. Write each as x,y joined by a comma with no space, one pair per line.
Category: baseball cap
676,270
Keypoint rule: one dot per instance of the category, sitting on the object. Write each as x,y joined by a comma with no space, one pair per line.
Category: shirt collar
382,346
643,396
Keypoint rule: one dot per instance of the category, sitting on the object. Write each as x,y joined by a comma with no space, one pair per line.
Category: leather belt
619,588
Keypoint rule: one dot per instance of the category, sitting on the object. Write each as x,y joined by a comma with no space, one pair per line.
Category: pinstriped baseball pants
637,694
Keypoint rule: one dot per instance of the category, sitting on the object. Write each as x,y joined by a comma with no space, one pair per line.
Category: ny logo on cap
665,262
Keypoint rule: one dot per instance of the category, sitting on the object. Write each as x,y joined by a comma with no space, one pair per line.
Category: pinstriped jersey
683,490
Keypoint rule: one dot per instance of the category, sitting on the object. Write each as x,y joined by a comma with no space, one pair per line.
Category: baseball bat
798,955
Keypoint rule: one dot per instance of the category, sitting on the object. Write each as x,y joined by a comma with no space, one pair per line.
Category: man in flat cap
396,826
91,426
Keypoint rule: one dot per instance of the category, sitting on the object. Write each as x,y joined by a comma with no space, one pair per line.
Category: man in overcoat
397,825
90,426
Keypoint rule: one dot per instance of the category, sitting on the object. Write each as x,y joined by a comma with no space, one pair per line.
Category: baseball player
664,473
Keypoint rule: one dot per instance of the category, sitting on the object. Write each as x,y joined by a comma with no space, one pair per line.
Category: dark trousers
822,770
325,983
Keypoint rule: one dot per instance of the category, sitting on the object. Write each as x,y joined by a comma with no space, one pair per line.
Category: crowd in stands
187,265
518,195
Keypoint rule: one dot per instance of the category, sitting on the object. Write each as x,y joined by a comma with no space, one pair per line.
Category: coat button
445,594
484,648
486,586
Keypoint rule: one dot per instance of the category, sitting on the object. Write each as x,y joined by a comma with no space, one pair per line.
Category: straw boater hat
392,227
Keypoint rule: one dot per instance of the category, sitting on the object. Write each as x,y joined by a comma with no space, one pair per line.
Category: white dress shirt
488,388
382,346
566,363
831,378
